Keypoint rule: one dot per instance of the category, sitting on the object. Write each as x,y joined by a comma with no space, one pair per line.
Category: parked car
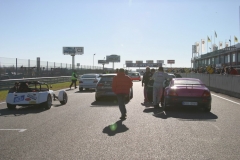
87,81
29,93
187,92
135,76
104,88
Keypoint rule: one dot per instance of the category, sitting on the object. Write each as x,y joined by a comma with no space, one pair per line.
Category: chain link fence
11,68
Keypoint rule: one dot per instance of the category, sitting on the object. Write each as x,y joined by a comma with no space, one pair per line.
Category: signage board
171,61
160,61
149,61
113,58
73,50
128,62
143,65
102,62
139,61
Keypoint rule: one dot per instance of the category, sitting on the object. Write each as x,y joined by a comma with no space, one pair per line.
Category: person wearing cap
74,79
159,77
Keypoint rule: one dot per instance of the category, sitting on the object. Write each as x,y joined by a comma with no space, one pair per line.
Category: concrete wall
226,84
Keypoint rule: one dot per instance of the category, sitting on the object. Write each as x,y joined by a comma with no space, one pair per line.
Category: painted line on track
225,99
19,130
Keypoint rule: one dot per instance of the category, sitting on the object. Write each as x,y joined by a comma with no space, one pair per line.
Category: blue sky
134,29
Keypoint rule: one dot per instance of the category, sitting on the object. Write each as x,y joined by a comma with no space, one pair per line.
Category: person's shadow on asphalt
115,128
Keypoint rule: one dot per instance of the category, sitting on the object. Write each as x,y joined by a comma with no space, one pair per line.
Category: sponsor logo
19,98
27,99
32,96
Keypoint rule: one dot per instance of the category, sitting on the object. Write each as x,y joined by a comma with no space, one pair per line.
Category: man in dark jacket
121,87
145,80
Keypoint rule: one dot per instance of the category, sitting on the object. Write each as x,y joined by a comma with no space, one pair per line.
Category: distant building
228,56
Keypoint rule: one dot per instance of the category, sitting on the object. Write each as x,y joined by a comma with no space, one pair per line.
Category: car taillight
100,84
80,81
206,94
172,92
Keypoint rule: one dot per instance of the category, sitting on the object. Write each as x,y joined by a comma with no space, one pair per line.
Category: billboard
113,58
149,61
128,62
160,61
73,50
143,65
139,61
102,62
171,61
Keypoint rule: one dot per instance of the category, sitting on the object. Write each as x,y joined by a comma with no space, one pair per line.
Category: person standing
158,77
145,80
121,87
74,79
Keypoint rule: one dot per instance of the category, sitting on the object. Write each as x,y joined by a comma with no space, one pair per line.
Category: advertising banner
149,61
171,61
113,58
73,50
143,65
160,61
128,62
139,61
102,62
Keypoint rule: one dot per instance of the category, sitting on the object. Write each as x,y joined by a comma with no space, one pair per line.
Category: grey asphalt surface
81,130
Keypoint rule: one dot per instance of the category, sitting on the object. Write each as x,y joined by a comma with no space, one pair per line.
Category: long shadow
85,91
183,114
115,128
20,111
106,102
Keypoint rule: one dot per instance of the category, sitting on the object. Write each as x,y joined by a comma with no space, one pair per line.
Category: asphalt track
86,129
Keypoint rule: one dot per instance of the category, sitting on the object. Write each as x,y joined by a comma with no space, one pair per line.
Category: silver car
104,88
88,81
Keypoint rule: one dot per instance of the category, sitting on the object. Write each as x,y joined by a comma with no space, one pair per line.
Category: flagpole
211,43
207,44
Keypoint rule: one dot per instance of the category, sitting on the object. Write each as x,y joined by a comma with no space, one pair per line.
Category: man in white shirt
159,78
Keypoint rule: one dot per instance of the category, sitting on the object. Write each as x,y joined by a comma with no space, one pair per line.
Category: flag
235,39
208,39
203,45
220,45
226,44
215,34
197,47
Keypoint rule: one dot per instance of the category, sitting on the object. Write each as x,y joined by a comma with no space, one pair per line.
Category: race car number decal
19,98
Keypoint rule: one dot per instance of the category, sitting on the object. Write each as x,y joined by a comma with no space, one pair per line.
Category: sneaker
123,117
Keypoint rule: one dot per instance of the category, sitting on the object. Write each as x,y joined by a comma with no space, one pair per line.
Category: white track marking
225,99
19,130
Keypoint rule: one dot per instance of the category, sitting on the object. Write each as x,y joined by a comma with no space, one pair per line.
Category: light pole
93,58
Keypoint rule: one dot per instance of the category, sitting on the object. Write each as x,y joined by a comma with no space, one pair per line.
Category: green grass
57,86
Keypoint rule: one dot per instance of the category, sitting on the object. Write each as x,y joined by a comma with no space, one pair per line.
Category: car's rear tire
208,109
48,103
10,106
80,88
65,99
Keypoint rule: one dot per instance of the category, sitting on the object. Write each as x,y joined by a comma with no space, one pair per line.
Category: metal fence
6,84
19,68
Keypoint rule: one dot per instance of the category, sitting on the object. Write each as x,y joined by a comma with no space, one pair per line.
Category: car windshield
88,76
187,82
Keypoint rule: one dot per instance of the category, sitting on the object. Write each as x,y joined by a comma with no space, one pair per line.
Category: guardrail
6,84
226,84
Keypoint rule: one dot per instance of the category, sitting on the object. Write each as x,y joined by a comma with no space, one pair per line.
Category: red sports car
187,92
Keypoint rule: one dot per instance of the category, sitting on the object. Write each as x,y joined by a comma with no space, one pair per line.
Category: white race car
27,93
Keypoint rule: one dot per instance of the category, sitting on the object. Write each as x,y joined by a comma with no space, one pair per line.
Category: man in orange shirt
121,87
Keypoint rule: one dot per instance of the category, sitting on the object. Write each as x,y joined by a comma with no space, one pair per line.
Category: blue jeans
121,103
